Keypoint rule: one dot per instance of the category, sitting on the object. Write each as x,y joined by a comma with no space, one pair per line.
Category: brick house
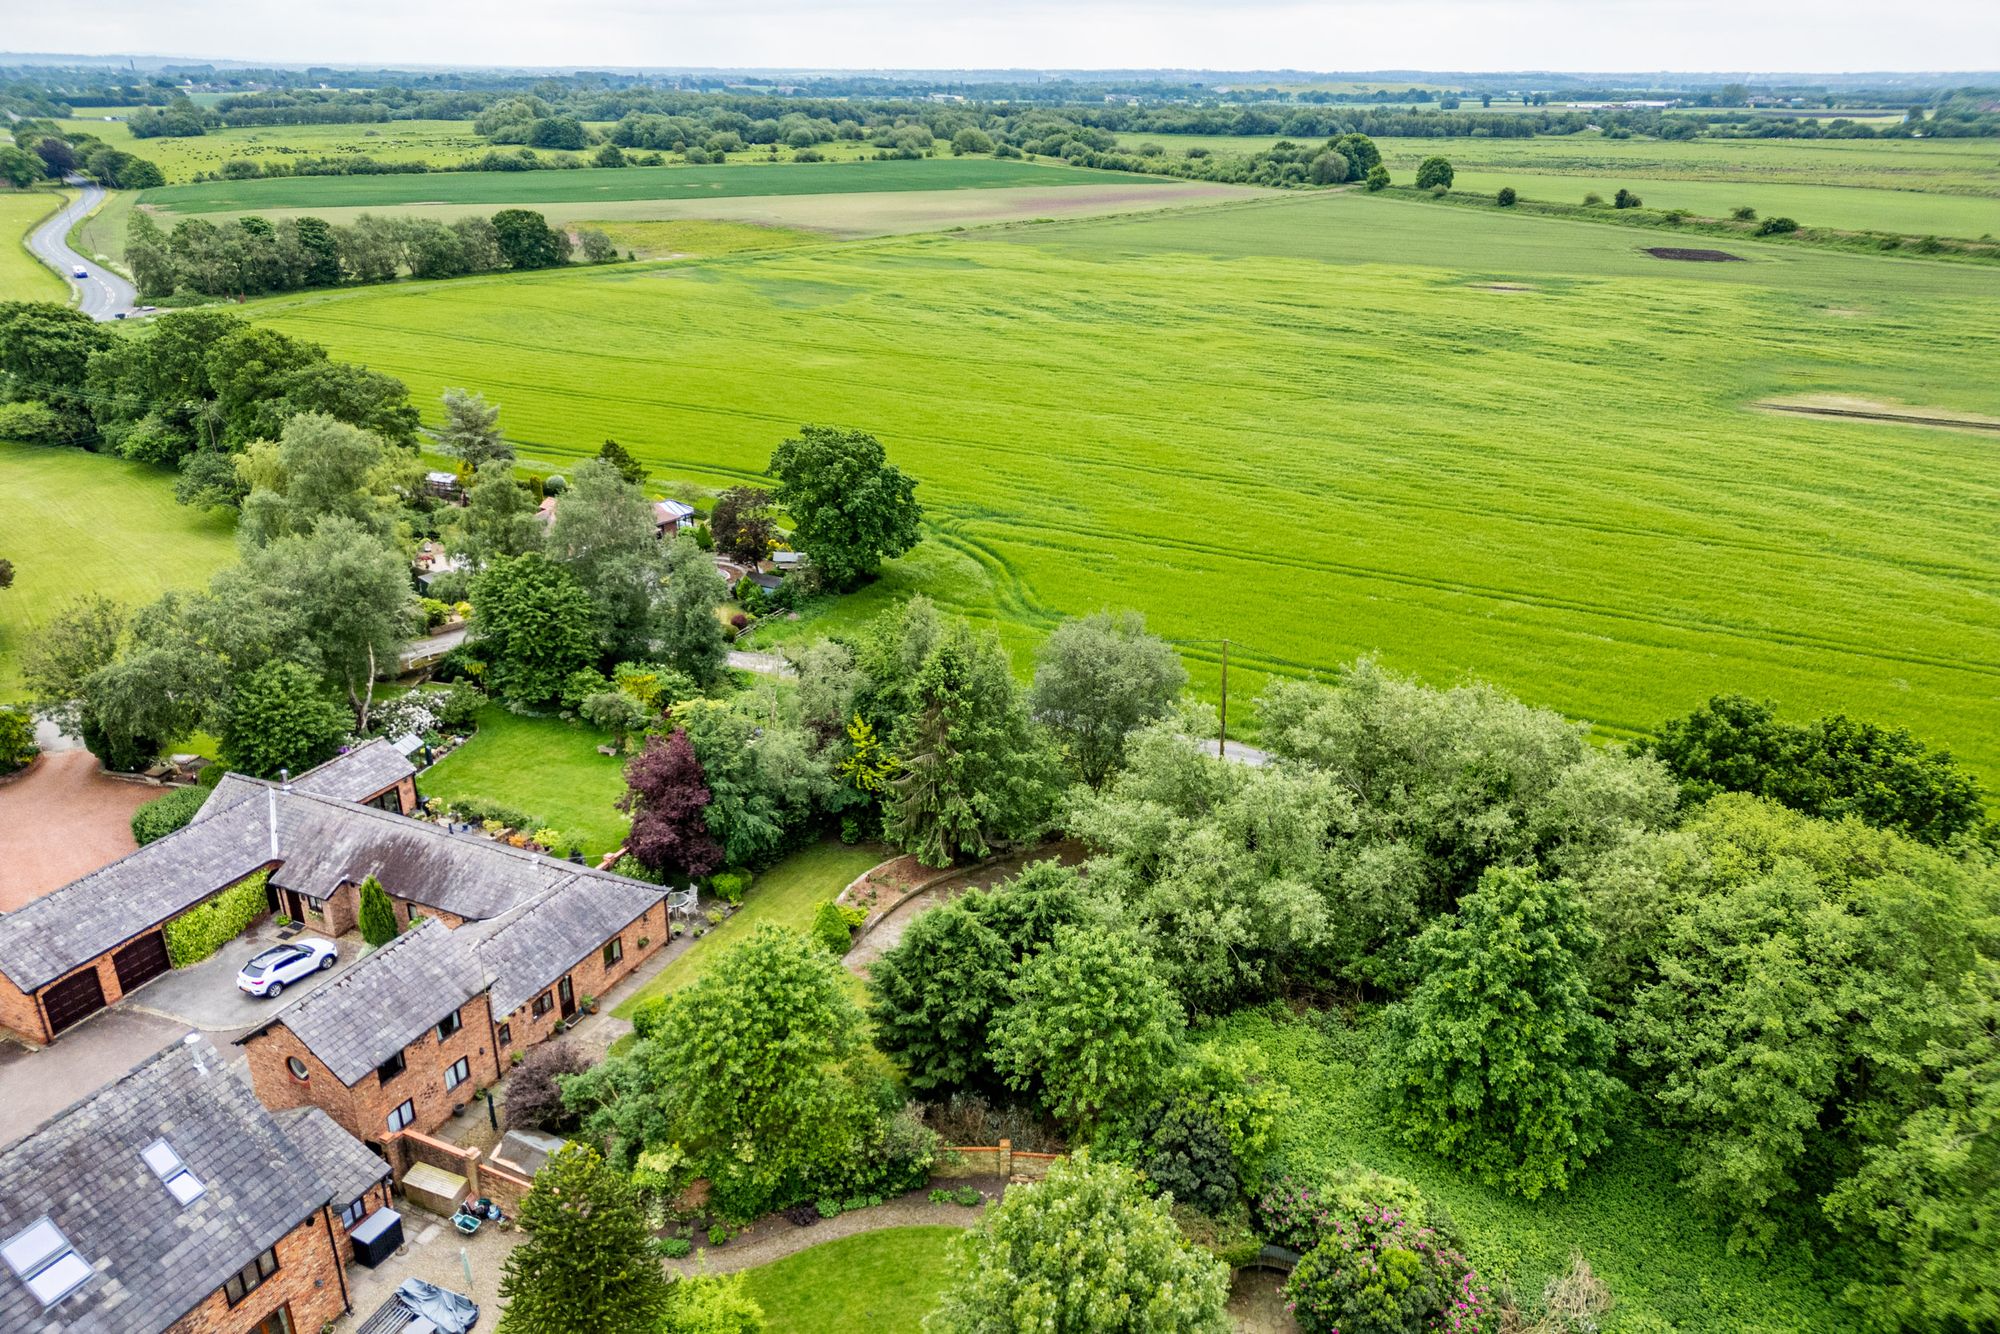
410,1034
359,1180
73,951
169,1200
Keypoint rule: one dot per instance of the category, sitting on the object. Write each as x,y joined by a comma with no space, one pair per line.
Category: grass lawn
1666,1265
787,894
76,523
22,276
876,1283
1324,425
545,768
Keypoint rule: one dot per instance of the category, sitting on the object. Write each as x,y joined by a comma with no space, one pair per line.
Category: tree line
250,255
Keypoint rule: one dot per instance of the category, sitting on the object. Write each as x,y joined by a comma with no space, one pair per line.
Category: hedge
163,815
207,927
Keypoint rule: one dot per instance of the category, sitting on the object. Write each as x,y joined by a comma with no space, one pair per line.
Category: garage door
141,961
72,999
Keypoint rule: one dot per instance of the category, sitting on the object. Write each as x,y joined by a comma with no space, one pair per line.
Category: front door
567,996
295,907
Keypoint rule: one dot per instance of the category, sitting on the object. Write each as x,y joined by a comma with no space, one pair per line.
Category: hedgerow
163,815
207,927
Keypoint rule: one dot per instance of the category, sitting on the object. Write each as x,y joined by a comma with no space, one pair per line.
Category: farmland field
1308,424
1851,207
439,142
76,523
592,184
22,276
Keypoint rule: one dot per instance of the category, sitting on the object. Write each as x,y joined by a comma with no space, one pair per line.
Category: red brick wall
364,1109
23,1015
589,977
309,1280
377,1197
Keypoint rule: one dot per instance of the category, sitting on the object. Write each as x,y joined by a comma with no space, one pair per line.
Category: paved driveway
204,996
61,820
35,1085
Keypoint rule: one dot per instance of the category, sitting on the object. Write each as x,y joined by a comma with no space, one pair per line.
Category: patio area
436,1252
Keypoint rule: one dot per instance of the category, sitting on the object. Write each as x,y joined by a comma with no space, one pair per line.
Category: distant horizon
1838,38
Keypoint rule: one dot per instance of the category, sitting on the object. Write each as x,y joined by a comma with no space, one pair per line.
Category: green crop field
1852,207
500,188
1311,425
438,142
76,523
22,276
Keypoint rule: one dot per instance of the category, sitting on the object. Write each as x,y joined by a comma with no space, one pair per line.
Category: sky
1597,35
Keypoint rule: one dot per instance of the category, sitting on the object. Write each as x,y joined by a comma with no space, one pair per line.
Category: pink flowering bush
1379,1273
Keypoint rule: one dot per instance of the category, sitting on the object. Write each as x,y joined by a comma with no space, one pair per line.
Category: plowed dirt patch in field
1864,409
1694,256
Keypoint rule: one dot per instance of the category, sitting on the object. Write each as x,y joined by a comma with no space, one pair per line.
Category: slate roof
343,1164
386,1001
372,767
317,843
154,1259
527,950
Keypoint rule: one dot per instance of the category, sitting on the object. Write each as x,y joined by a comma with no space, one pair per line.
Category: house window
506,1034
354,1213
391,801
298,1069
315,907
543,1004
461,1070
614,950
452,1023
41,1257
250,1277
403,1115
390,1068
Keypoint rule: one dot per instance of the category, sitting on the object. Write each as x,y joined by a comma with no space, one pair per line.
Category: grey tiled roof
386,1001
527,950
371,767
318,842
155,1260
343,1164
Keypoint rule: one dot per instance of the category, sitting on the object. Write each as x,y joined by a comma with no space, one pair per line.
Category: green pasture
22,276
1311,425
882,1282
1856,208
75,523
545,768
438,142
1668,1267
594,184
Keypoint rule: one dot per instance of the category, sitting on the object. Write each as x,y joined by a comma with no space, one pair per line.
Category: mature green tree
18,167
45,351
752,1073
151,390
587,1262
975,767
766,778
1091,1027
471,430
319,252
262,378
621,458
933,998
850,507
742,524
499,518
1496,1061
79,639
685,627
1096,680
378,914
1433,172
603,534
319,469
535,623
1748,1040
351,595
1359,150
150,257
1829,767
1084,1249
480,242
1376,179
281,719
527,241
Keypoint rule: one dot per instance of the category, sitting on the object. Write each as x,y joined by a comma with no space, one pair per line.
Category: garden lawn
22,276
1667,1267
875,1283
546,768
1322,425
75,523
788,894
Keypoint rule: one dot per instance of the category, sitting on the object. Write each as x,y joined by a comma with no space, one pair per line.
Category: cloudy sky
1818,35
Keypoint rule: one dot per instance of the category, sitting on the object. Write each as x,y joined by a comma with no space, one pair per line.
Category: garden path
773,1238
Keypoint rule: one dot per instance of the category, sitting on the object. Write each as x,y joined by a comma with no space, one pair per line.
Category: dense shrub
729,886
1777,227
1298,1212
534,1097
17,737
378,915
1187,1156
163,815
1381,1274
833,926
207,927
1507,197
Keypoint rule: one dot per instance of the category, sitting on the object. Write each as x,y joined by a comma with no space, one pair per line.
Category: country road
103,295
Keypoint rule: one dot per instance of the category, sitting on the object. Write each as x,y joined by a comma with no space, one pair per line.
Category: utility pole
1222,732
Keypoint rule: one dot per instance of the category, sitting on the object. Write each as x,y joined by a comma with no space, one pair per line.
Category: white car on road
267,974
80,272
